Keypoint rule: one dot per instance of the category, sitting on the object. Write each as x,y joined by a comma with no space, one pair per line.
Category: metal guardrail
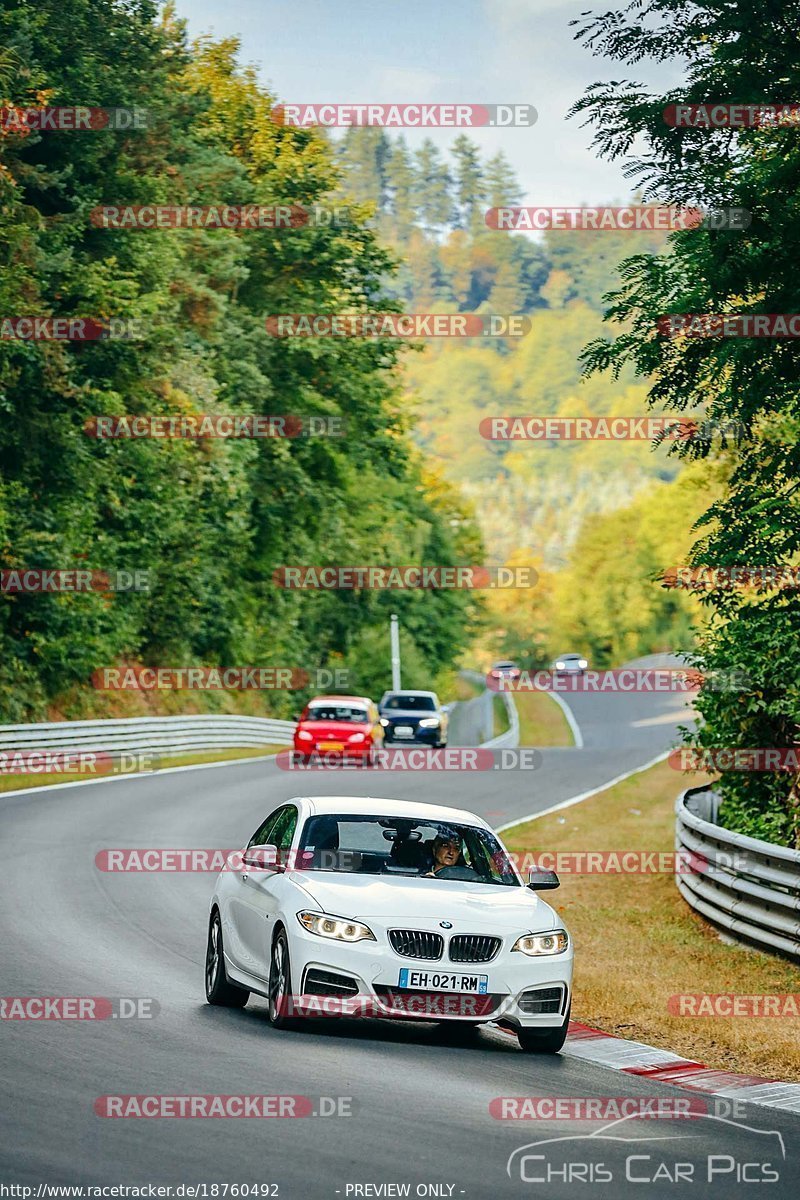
207,731
484,706
511,735
186,734
751,888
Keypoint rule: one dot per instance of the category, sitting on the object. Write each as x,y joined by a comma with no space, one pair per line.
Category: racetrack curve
420,1096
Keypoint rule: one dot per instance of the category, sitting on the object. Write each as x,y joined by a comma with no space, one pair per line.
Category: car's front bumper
427,737
374,967
306,750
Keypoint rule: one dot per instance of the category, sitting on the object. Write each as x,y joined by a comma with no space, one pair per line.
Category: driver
446,851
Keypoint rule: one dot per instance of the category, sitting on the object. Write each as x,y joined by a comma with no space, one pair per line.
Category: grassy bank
541,720
638,943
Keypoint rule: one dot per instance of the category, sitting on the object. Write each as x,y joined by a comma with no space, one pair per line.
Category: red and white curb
649,1062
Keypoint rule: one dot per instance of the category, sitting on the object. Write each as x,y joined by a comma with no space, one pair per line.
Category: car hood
407,900
334,729
406,714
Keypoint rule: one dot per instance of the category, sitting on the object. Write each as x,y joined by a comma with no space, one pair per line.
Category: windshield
335,712
376,845
410,703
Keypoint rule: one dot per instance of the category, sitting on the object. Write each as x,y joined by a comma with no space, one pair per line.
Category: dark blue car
412,716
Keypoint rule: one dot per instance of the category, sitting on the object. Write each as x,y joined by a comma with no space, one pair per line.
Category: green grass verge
541,720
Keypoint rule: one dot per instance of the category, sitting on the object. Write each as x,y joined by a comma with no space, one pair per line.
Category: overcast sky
479,51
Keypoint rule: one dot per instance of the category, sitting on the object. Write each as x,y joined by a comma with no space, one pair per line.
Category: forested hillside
600,521
529,497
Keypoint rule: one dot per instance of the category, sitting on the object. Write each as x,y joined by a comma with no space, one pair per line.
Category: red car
346,725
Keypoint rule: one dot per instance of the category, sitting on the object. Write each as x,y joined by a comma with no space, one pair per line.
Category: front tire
219,989
279,989
544,1041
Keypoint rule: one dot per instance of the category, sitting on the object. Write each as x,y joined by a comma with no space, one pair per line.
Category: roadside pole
394,632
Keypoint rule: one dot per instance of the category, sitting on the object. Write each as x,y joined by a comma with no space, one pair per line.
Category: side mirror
263,858
543,881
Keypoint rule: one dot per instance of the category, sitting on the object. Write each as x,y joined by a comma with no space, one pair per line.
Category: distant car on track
341,725
570,664
408,910
412,716
505,669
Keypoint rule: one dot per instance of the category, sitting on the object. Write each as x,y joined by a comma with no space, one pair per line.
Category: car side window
262,836
282,831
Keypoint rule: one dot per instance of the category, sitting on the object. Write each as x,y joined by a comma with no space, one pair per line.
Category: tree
501,186
433,199
469,182
365,152
402,187
735,54
208,520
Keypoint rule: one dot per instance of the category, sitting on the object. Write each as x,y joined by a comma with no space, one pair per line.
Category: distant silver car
570,664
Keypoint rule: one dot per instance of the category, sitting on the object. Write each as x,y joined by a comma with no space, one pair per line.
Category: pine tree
470,188
434,201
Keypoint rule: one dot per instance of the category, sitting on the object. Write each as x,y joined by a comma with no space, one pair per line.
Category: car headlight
384,722
338,928
356,737
559,666
304,736
429,722
536,944
582,662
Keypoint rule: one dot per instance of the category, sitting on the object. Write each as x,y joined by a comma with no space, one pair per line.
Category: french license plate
331,745
443,981
404,731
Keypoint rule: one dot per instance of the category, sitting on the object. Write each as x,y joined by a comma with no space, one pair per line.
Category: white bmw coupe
392,909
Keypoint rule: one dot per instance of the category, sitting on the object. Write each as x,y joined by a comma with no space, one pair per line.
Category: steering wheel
465,873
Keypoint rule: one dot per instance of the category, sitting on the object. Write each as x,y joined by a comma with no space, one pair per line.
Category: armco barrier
482,707
165,735
182,735
751,888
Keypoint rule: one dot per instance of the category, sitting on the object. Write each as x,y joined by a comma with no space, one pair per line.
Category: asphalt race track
419,1095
